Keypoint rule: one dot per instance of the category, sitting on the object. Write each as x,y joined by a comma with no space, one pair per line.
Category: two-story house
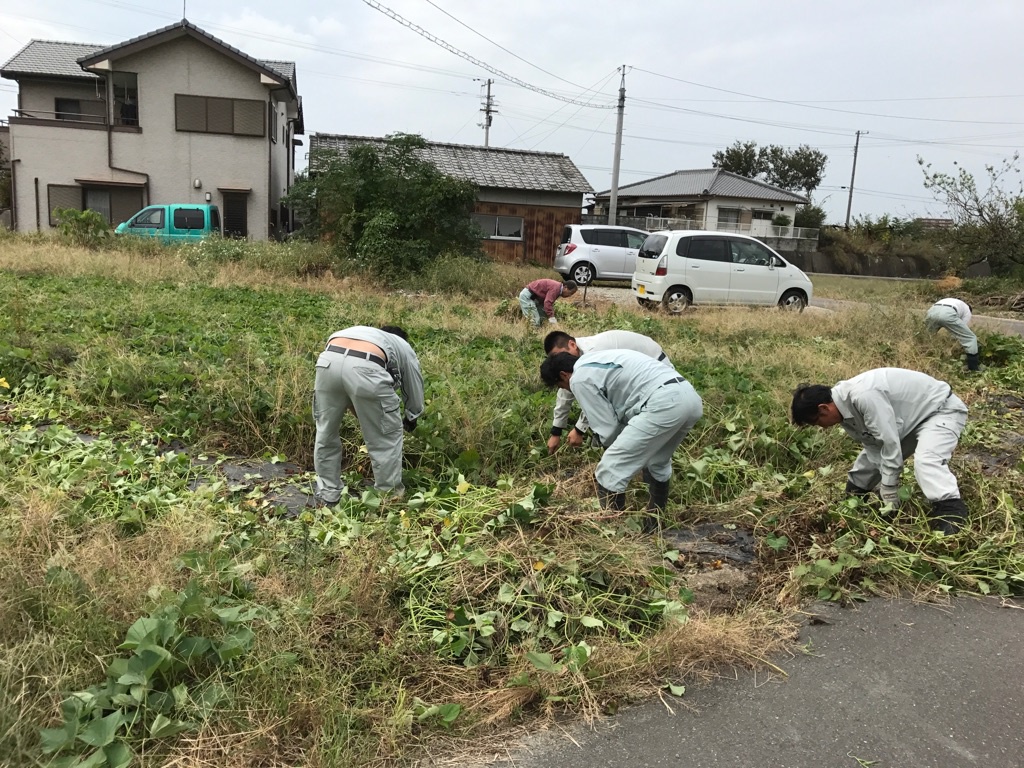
173,116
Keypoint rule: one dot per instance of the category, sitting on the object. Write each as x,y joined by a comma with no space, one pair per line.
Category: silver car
591,252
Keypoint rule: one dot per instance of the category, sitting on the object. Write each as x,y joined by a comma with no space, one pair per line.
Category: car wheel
793,300
676,300
582,273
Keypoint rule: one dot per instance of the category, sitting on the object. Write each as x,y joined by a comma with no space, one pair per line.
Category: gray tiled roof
59,59
712,182
490,167
50,57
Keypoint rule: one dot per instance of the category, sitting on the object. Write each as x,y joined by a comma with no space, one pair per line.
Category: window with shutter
219,115
63,196
249,117
190,113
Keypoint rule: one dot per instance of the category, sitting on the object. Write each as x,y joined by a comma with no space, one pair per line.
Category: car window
153,218
611,237
652,247
589,236
709,249
635,239
215,220
749,252
566,234
189,218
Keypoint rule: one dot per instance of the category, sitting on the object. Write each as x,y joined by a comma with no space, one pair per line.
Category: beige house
173,116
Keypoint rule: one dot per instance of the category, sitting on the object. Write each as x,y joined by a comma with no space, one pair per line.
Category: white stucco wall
38,97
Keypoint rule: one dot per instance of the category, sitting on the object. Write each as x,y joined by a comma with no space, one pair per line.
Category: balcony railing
61,117
758,229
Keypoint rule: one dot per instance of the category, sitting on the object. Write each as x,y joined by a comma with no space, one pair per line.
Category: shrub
86,229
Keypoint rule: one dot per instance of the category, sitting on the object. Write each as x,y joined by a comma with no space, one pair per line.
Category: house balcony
783,238
59,119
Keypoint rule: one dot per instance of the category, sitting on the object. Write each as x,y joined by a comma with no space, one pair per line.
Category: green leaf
191,649
555,618
435,559
590,621
118,754
675,690
163,727
506,593
102,730
56,739
544,662
448,713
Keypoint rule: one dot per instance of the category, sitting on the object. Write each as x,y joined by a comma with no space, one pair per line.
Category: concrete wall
38,98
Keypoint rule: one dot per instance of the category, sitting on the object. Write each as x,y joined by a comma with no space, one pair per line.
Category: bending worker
539,298
359,371
895,413
955,315
640,409
560,341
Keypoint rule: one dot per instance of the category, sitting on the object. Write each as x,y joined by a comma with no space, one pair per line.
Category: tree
798,170
383,204
987,223
812,216
742,158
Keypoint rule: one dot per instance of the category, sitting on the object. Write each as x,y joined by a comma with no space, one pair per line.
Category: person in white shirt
894,413
560,341
640,410
955,315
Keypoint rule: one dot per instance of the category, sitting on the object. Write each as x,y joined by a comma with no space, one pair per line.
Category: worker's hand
553,320
553,442
890,495
575,438
409,424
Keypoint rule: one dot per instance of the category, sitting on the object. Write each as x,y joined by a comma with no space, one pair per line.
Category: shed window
499,227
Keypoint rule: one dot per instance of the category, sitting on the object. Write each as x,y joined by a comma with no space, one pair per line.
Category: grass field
152,611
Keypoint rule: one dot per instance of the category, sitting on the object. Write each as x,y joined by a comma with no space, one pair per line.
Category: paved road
892,684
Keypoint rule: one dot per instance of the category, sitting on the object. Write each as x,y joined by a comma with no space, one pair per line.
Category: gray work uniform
954,315
596,343
895,413
344,380
639,408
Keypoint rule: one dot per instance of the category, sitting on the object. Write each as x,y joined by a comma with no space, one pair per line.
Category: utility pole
489,112
613,198
853,175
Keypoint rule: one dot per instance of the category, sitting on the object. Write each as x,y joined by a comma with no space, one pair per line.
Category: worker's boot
656,503
947,516
855,490
974,362
610,499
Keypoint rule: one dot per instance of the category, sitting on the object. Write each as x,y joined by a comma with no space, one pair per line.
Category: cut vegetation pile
154,609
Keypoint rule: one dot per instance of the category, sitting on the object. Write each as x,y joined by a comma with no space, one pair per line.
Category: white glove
890,495
552,320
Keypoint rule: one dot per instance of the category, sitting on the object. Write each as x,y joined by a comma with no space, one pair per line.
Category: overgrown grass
496,592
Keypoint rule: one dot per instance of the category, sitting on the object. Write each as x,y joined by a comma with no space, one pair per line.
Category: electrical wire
478,62
826,109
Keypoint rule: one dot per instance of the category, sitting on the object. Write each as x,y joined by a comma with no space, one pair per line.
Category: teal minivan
174,223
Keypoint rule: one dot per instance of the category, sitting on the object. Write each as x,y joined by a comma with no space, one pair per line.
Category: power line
499,45
478,62
826,109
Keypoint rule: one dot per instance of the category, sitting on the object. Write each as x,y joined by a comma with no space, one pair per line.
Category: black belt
662,356
357,353
676,380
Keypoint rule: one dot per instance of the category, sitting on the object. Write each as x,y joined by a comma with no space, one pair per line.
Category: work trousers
530,306
651,437
942,316
343,382
932,444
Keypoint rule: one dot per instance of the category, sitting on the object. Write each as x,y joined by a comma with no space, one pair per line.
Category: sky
935,79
